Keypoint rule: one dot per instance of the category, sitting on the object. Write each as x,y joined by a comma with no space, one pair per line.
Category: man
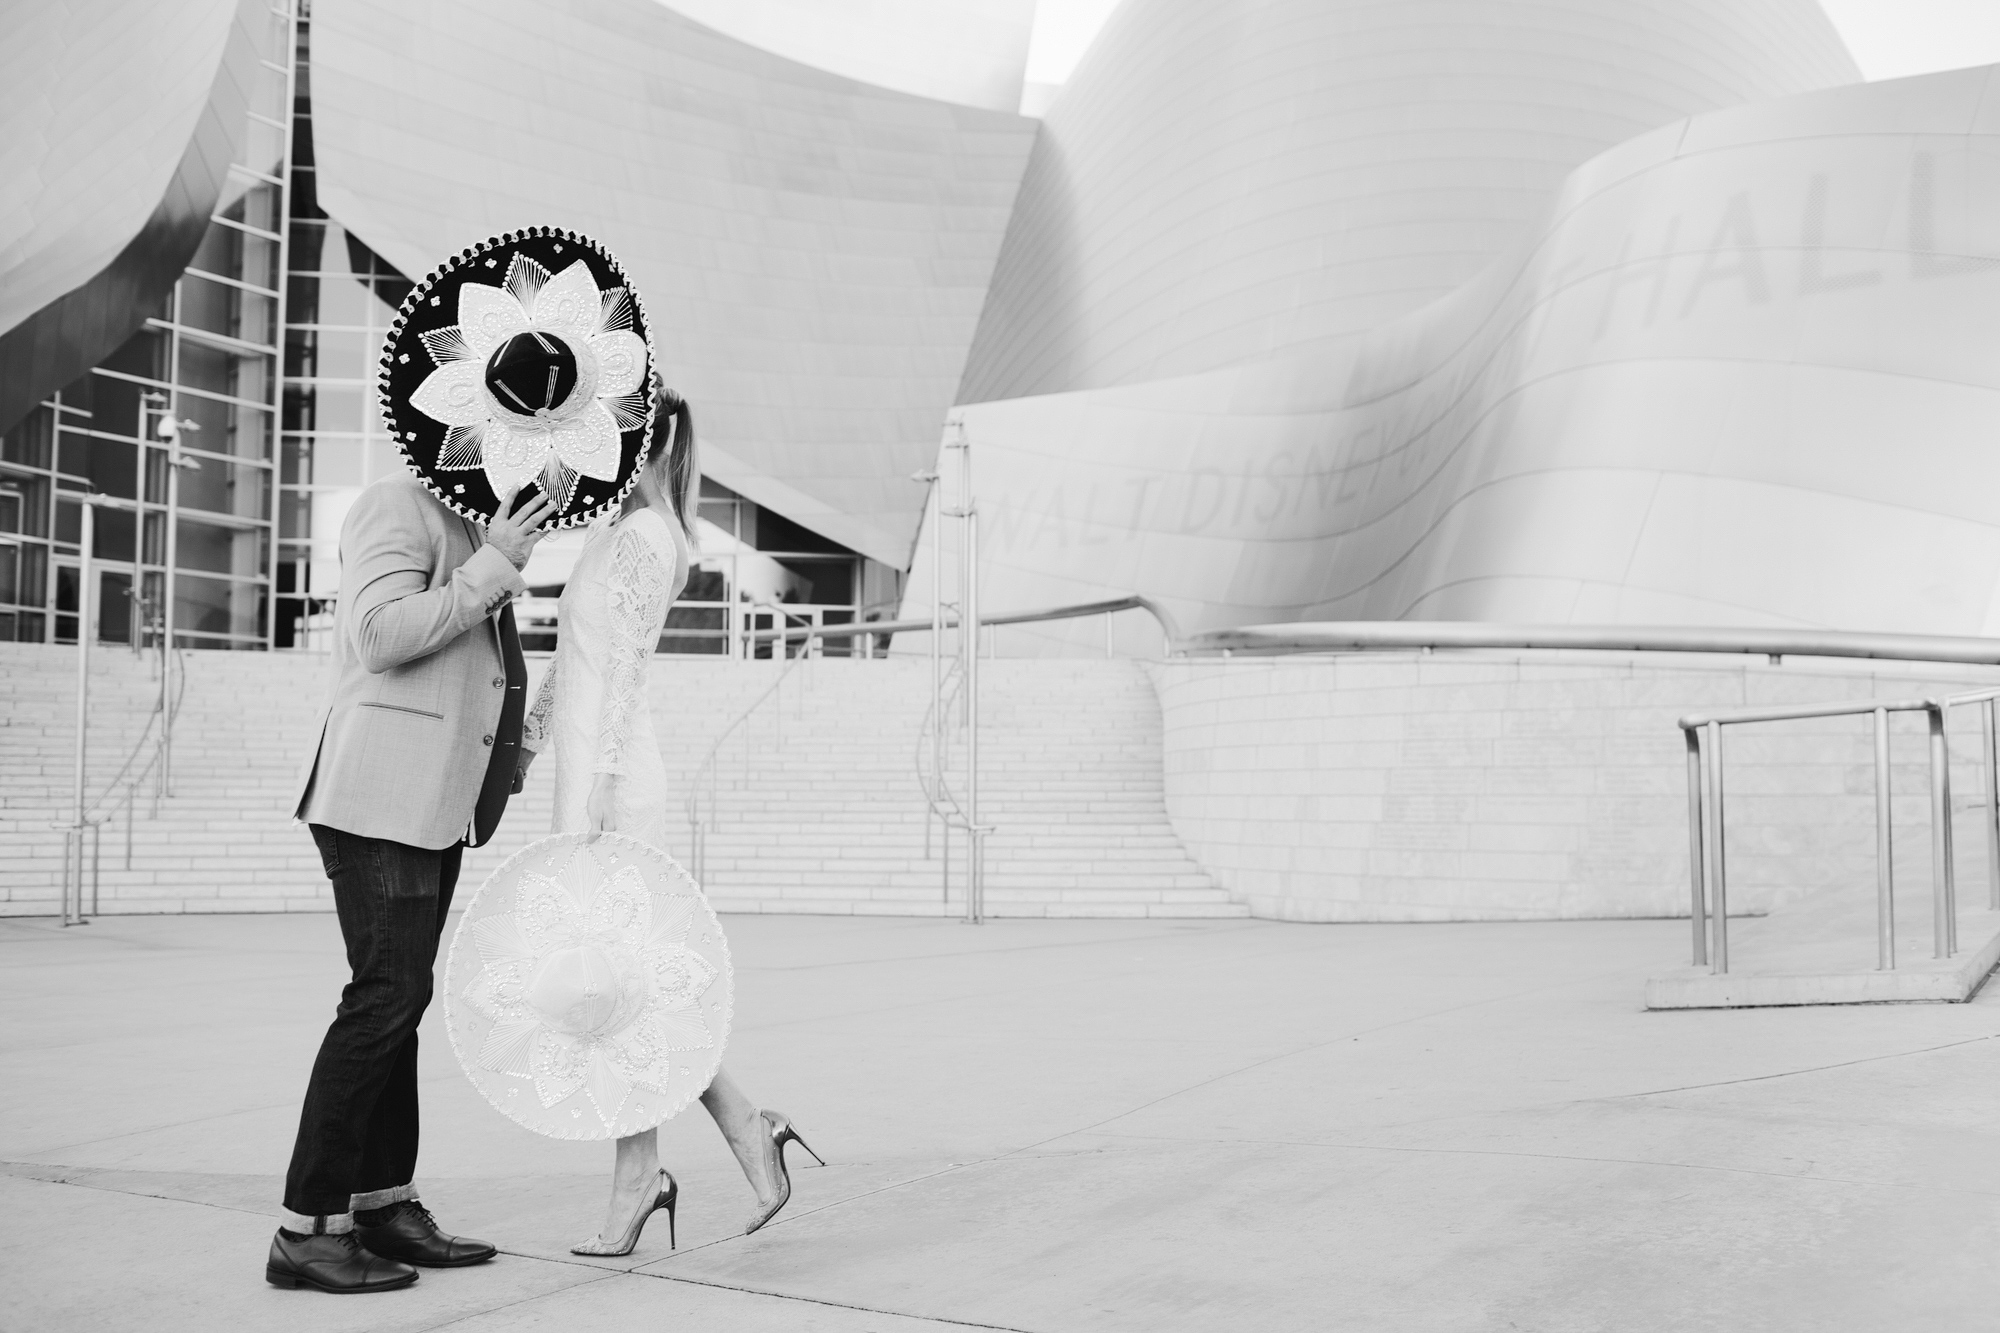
425,658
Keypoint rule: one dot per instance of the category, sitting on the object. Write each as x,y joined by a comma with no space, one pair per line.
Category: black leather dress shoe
409,1233
332,1263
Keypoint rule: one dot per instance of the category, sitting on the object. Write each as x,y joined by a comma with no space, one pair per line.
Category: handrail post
1941,887
968,619
1717,878
937,686
86,630
1992,748
1885,864
1698,910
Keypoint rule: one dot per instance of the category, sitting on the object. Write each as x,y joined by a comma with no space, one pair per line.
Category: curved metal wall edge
817,249
68,336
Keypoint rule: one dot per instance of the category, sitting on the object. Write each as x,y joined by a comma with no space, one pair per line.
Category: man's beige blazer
403,742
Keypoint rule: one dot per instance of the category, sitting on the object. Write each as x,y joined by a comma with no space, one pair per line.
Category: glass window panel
295,514
24,505
218,550
227,488
227,428
211,606
114,607
114,534
230,311
10,573
220,252
342,407
268,98
258,205
346,301
111,465
344,355
302,299
338,462
307,238
115,406
301,353
34,586
295,460
300,403
30,442
230,253
67,577
144,354
224,370
265,148
77,397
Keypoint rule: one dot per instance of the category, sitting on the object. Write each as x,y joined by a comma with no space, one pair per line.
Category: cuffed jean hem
382,1198
332,1224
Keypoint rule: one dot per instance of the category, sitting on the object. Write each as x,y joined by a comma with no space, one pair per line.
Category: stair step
815,803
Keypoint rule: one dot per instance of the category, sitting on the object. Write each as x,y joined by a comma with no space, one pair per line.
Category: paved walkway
1054,1126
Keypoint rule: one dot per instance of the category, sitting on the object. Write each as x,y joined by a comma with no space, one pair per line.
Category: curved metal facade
817,250
117,216
1223,179
1744,373
970,51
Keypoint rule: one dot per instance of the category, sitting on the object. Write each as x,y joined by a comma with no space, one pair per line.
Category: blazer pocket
403,708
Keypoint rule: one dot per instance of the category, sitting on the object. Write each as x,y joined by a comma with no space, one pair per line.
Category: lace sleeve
539,726
640,584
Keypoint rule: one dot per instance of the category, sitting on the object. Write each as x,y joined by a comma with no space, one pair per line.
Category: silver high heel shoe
669,1195
779,1129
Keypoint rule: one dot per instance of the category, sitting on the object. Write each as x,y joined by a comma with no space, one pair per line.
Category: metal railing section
1708,867
701,817
82,835
1349,635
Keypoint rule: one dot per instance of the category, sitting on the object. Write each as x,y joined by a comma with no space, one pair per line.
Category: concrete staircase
817,804
819,809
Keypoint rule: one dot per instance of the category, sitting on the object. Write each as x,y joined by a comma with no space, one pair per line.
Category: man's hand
515,534
601,807
522,759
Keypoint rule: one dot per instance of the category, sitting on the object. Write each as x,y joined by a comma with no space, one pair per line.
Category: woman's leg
743,1129
635,1175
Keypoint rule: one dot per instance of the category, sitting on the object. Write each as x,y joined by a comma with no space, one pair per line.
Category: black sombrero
525,361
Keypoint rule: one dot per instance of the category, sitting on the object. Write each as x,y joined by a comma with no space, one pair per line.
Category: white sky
1889,38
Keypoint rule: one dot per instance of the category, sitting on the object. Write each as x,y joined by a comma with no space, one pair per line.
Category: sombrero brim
588,992
465,449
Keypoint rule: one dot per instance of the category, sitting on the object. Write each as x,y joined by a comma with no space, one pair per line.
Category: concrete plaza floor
1052,1126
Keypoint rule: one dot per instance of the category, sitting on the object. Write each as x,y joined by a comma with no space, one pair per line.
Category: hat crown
588,990
533,374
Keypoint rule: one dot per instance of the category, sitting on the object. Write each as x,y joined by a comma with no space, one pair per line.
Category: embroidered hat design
522,362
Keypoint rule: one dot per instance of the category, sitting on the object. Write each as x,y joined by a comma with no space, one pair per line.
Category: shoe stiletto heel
668,1196
778,1128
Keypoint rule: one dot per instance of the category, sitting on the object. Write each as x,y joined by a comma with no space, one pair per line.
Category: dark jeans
358,1131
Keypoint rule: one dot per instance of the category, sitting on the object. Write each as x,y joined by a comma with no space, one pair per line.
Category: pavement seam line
1794,1073
616,1272
1580,1157
816,1300
1298,1051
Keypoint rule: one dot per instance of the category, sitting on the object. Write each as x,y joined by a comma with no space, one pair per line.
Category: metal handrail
1111,606
1333,636
1708,877
698,827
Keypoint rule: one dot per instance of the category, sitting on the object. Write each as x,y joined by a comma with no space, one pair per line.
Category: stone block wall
1491,786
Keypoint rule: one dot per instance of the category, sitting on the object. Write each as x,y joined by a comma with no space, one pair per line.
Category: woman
610,778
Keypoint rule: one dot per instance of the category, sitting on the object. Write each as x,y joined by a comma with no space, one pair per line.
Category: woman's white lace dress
591,707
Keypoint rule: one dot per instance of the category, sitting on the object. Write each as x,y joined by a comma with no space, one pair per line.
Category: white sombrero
588,993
